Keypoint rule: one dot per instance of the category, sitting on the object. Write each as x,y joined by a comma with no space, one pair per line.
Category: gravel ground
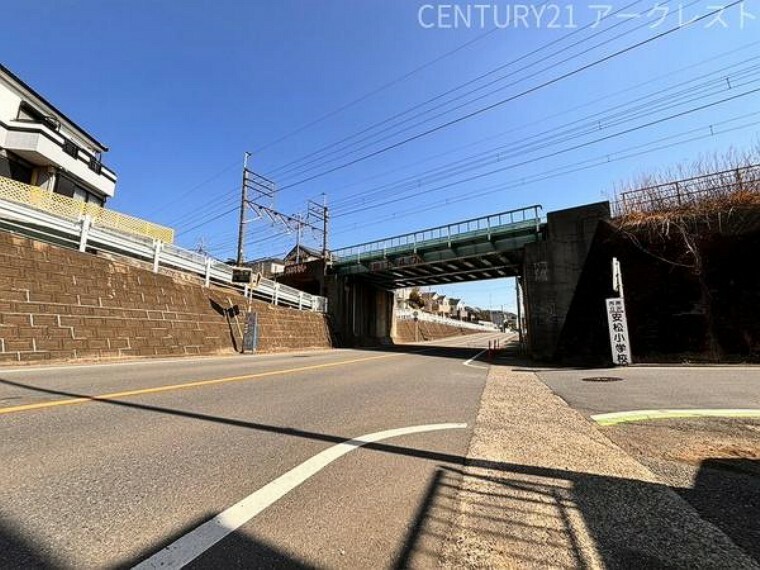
543,487
712,463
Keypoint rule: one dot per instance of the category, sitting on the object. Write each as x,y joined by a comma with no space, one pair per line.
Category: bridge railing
409,314
503,222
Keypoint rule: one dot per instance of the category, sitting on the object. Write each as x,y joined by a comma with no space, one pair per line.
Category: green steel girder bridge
481,248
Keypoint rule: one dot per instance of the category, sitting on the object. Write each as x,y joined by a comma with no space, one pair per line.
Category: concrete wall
551,270
405,331
59,304
361,314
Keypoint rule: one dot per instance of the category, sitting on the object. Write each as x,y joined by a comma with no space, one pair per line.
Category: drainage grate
602,379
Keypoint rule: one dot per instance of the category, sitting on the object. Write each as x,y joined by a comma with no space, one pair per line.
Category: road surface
120,464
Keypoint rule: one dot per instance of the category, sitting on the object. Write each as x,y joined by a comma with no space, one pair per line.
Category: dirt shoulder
544,487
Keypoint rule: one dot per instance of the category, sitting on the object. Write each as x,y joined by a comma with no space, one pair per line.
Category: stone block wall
427,331
60,304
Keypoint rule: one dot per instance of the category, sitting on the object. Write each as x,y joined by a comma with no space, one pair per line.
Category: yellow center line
196,384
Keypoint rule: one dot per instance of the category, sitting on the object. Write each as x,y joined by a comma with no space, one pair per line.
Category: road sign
241,275
618,325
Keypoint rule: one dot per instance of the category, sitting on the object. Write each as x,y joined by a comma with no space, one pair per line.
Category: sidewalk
543,487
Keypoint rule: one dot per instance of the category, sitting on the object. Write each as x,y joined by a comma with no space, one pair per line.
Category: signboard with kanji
619,339
241,275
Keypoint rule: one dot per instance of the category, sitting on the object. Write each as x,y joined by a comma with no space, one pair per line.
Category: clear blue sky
180,89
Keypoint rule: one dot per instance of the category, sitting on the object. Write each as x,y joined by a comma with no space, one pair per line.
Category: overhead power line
511,98
286,168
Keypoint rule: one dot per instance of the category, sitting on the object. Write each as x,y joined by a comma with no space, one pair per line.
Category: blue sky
180,89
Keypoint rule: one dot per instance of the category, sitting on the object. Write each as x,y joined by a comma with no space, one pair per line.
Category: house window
68,187
65,186
93,199
70,148
95,165
15,170
28,113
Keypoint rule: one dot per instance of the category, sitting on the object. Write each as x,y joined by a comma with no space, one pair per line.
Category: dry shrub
703,190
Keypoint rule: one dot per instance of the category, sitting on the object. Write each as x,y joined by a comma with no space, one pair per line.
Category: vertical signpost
616,319
251,335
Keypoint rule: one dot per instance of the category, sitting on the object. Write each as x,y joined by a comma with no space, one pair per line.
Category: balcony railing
74,210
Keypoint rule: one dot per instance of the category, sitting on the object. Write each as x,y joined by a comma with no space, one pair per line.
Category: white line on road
188,547
469,362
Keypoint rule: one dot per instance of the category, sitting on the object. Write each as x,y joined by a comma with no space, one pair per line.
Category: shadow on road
726,492
18,549
623,517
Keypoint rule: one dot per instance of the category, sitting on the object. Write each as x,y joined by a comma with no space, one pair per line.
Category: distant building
429,300
402,297
302,254
41,146
269,267
457,309
504,319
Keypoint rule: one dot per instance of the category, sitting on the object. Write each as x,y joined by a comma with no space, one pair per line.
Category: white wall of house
40,142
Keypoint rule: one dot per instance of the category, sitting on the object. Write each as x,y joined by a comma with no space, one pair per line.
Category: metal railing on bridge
487,226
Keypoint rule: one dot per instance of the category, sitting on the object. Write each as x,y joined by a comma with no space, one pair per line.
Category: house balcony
42,146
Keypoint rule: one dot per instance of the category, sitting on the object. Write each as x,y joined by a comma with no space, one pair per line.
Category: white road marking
469,362
188,547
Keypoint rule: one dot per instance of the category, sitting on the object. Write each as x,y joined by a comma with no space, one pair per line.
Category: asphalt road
656,387
105,465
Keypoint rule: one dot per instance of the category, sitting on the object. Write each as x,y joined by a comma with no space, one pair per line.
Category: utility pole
320,213
299,229
243,206
325,227
520,338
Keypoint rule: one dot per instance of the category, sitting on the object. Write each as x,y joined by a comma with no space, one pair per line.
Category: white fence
83,233
409,314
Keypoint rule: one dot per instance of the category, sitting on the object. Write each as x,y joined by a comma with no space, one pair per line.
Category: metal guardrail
85,232
688,192
408,314
74,210
494,224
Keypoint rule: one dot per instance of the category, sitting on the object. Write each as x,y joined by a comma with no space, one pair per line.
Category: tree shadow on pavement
18,549
726,492
523,508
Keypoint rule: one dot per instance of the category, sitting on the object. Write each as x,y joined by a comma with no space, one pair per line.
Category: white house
457,309
41,146
269,267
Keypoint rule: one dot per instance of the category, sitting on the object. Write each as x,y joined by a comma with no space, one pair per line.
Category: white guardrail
409,314
84,232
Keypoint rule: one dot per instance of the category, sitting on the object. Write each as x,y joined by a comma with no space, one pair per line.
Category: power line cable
511,98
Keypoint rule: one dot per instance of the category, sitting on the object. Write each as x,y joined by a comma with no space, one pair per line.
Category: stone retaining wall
60,304
427,331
